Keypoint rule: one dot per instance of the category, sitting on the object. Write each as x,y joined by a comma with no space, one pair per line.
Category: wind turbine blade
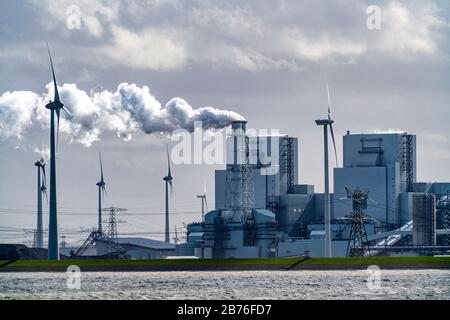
334,144
206,204
101,166
44,183
43,188
329,100
57,128
43,173
168,162
171,187
67,111
53,73
45,192
104,191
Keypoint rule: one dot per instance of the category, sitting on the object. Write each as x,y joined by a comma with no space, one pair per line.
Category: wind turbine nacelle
55,105
324,122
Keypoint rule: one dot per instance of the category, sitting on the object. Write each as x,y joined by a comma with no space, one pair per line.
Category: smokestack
239,142
239,124
239,187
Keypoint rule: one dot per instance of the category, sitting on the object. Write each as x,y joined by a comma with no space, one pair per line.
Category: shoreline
282,264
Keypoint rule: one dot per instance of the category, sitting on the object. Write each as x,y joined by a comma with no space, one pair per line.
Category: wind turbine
41,189
101,191
54,106
325,123
204,203
168,179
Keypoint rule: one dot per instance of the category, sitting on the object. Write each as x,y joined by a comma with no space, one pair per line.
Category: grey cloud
161,35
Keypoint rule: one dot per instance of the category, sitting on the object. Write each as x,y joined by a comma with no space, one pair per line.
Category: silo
424,219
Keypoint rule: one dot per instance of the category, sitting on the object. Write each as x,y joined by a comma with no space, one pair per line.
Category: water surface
394,284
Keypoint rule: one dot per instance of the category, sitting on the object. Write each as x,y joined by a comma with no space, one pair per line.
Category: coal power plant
262,210
378,207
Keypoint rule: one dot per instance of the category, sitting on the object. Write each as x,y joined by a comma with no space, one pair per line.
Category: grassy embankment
271,262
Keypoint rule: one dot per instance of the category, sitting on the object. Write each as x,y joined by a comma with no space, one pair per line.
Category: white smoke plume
128,110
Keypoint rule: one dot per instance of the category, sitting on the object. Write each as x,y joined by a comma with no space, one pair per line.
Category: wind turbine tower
54,106
325,123
204,203
41,189
168,182
101,194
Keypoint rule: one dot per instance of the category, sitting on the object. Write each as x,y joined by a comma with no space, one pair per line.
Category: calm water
405,284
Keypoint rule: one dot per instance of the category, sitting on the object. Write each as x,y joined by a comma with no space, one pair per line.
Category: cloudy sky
264,60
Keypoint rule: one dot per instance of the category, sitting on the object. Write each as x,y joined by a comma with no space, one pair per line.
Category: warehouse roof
148,243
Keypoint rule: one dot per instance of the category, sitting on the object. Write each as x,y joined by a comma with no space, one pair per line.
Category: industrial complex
377,207
261,209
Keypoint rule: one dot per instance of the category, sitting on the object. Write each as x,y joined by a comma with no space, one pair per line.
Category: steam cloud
128,110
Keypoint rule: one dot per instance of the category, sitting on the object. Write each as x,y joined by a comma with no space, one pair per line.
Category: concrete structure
424,219
382,164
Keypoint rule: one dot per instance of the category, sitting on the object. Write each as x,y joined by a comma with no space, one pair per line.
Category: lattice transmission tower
111,230
358,244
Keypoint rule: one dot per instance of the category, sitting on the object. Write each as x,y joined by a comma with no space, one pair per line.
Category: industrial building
263,211
135,247
140,248
383,164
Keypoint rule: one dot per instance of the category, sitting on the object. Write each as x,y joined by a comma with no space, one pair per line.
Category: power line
94,208
302,203
72,213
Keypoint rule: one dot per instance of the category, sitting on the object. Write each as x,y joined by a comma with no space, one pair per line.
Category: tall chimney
239,143
239,186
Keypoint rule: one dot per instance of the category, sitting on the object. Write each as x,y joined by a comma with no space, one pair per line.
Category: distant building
68,250
141,248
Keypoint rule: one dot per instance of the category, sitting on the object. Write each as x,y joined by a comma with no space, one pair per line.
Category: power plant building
263,211
382,164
